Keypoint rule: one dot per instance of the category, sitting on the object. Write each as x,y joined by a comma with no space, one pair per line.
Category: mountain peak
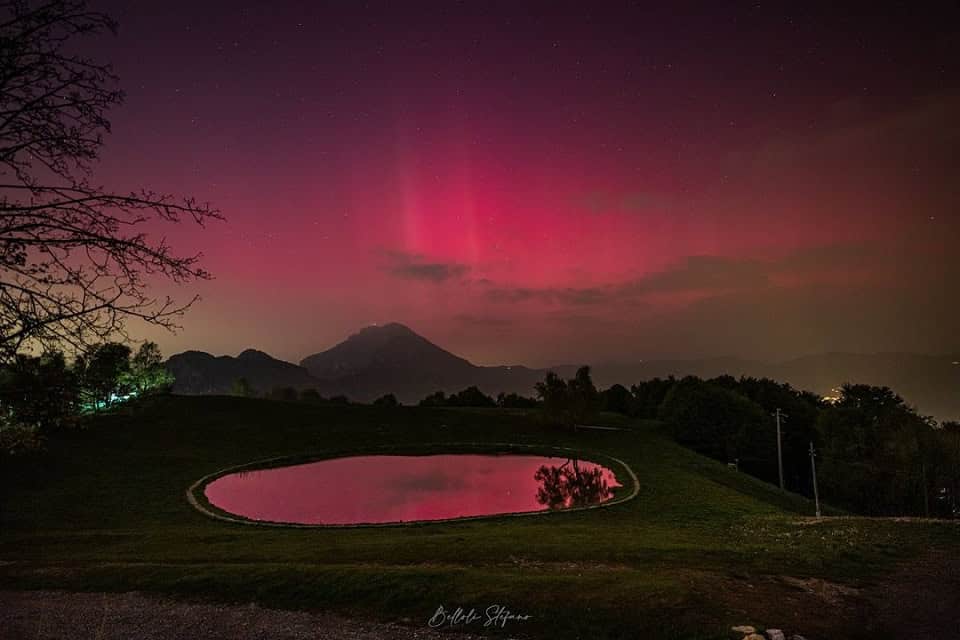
391,328
390,347
254,354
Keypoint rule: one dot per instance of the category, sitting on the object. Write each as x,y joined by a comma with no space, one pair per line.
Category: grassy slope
105,509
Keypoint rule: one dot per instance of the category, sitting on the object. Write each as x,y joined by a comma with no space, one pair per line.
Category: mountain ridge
393,358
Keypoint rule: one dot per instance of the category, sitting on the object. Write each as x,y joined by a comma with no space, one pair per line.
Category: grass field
700,548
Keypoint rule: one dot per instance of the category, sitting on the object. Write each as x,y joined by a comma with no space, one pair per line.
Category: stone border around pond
197,499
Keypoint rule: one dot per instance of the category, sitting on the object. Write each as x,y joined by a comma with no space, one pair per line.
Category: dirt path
921,599
50,615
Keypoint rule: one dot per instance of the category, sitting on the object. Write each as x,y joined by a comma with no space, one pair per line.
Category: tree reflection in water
568,485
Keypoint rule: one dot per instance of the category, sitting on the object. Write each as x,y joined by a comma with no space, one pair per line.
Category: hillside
700,548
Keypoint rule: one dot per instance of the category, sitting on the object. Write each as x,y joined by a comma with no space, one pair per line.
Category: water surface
389,488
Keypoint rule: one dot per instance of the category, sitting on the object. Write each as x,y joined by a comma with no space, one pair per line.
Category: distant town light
833,397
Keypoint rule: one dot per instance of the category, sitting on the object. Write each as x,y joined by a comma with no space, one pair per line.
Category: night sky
525,183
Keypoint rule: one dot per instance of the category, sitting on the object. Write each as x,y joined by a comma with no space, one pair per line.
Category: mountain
197,372
392,358
392,347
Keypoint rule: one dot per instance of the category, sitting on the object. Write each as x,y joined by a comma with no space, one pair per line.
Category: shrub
311,395
388,400
39,392
516,401
17,440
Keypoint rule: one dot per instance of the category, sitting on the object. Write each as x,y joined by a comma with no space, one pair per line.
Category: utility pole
813,470
926,495
779,450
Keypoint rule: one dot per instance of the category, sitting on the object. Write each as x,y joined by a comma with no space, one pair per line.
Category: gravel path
49,615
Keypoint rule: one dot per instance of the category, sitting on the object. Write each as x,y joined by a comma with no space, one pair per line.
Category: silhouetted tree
102,373
436,399
73,258
877,453
388,400
38,392
649,395
719,423
147,372
798,427
553,393
585,398
617,399
470,397
340,400
515,401
568,402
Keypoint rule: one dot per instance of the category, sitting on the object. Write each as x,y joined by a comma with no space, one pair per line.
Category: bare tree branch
73,266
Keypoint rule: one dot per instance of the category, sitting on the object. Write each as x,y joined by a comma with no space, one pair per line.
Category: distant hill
931,383
394,359
197,372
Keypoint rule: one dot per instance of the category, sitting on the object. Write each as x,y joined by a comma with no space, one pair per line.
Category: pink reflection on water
373,489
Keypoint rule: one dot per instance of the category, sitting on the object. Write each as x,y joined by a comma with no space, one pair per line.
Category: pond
378,489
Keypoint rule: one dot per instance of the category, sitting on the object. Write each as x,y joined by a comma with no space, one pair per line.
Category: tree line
875,454
471,396
40,394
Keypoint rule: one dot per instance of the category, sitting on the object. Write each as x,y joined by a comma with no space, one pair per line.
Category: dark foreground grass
105,509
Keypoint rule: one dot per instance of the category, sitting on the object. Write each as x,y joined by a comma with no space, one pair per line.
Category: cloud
709,275
897,163
853,163
433,271
836,297
568,295
414,266
700,277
